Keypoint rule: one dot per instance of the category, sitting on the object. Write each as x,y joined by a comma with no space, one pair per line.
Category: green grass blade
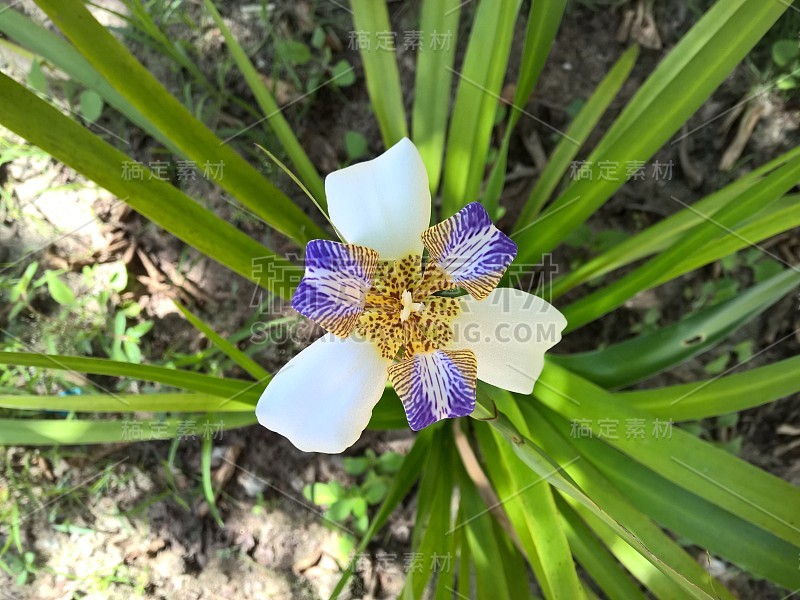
475,108
594,557
575,136
724,480
664,233
544,19
719,396
272,112
484,547
531,501
60,53
692,517
645,560
205,469
743,206
432,83
433,522
558,474
401,484
38,432
156,402
232,389
129,77
638,358
675,90
380,68
230,350
42,125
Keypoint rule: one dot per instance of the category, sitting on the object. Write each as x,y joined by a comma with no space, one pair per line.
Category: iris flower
389,315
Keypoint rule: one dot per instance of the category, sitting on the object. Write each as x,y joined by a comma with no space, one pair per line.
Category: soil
134,524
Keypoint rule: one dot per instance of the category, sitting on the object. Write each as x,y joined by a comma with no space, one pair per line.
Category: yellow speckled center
401,310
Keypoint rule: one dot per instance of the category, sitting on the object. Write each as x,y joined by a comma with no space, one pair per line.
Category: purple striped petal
334,287
435,385
470,250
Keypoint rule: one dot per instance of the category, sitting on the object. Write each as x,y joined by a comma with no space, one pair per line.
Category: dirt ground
126,519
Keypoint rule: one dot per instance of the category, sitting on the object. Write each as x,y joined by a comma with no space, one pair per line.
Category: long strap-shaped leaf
675,90
689,515
272,112
531,509
745,205
162,402
659,561
371,18
139,87
544,466
695,465
719,396
59,52
439,27
37,432
232,389
35,120
638,358
577,133
479,87
540,32
663,234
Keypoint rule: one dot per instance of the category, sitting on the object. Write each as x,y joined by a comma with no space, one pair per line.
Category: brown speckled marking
422,332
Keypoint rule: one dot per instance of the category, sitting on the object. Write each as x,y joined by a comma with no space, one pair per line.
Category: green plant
344,503
541,480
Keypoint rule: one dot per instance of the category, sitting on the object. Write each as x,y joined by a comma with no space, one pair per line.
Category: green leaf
380,69
355,145
343,74
355,465
375,491
132,351
142,90
722,479
784,52
479,87
69,142
653,557
400,486
39,432
100,403
36,77
692,517
59,291
91,104
677,87
575,136
433,79
702,399
651,273
229,389
274,117
635,359
594,557
390,462
205,469
229,349
535,518
293,51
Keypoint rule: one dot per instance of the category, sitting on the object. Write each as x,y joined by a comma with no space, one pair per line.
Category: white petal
509,333
323,398
384,203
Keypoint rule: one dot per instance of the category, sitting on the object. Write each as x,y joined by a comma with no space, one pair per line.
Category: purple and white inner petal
334,288
435,385
470,250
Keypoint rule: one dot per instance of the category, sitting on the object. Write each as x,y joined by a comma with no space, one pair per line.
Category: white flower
386,318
